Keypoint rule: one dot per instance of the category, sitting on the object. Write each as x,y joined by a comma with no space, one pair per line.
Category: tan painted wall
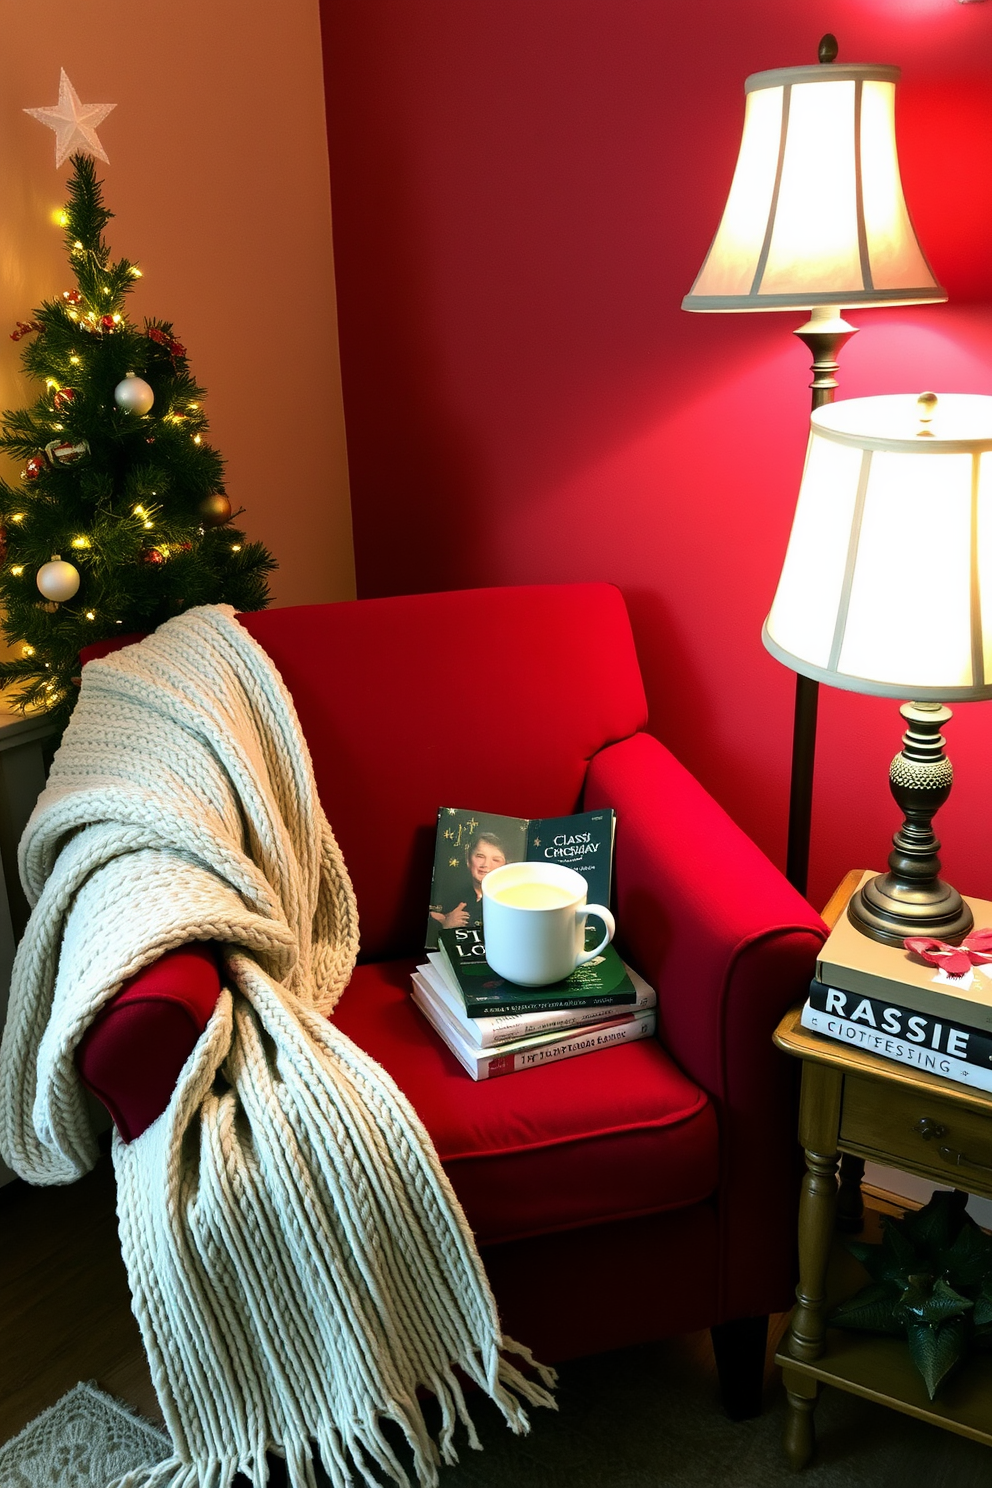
218,179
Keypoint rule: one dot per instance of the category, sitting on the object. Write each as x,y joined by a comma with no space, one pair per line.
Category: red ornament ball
34,467
151,555
72,297
107,322
63,398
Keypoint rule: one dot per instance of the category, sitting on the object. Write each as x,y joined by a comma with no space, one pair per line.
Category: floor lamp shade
816,213
887,582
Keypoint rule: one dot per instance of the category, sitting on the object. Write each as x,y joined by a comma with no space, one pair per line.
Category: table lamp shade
887,582
816,213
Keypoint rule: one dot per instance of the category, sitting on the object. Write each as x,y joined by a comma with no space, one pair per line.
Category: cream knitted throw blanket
299,1264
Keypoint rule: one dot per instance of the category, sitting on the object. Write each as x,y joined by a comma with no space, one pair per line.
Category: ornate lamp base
911,899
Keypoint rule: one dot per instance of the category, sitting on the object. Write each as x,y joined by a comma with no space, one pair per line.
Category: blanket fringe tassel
344,1461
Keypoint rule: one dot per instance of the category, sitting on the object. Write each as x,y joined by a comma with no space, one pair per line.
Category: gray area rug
648,1418
640,1418
86,1440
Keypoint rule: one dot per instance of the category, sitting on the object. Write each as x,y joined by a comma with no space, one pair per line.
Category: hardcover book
530,1053
471,843
492,1031
602,982
904,1050
942,1035
852,962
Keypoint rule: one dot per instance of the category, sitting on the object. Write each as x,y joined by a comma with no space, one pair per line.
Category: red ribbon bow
976,950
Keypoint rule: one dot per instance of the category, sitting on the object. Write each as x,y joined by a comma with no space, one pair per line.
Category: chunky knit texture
299,1264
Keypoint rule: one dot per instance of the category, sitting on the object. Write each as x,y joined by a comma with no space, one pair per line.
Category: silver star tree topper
75,123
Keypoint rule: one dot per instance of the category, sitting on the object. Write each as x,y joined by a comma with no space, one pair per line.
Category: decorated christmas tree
120,518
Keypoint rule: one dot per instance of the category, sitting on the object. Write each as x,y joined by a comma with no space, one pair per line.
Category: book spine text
876,1041
626,1032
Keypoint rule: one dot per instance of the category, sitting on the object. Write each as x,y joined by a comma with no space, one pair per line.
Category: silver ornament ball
133,394
58,580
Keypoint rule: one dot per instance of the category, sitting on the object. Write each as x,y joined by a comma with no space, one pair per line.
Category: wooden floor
65,1312
65,1316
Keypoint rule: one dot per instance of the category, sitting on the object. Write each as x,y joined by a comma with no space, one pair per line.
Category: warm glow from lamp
889,496
816,213
887,589
815,220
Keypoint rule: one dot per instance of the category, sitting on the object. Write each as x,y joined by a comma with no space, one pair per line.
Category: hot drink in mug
534,922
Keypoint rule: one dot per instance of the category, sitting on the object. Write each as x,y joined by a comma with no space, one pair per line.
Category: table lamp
816,220
887,589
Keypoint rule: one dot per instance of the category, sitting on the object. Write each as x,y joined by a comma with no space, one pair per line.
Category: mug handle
611,930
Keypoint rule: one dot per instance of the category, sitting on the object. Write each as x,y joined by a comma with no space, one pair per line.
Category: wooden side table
866,1107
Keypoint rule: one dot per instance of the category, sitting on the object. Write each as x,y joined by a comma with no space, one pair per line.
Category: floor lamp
815,220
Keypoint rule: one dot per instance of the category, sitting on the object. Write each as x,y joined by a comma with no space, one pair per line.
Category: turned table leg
799,1434
818,1125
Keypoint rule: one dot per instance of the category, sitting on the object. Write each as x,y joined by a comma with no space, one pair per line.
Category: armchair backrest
491,699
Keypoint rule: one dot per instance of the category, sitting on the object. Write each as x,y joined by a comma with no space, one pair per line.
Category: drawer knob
926,1128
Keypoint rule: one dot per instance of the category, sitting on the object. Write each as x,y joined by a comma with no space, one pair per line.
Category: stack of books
494,1027
886,1000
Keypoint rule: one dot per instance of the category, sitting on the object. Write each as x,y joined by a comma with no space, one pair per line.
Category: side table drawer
950,1141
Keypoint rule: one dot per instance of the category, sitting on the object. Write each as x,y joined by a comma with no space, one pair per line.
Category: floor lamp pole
824,333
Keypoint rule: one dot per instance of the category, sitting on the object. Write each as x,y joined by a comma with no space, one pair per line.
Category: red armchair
643,1191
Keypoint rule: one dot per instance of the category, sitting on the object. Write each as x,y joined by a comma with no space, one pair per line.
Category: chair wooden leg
739,1348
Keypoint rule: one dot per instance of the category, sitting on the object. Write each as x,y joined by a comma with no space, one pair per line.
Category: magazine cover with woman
471,844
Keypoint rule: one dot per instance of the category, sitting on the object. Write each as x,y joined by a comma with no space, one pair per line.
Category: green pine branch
116,493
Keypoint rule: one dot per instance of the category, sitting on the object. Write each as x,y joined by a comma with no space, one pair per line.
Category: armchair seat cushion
597,1138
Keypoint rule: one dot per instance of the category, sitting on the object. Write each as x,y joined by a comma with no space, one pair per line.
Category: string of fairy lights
58,580
115,517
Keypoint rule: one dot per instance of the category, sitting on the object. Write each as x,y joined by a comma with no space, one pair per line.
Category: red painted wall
523,191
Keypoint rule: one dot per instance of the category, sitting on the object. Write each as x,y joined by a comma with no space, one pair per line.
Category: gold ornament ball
58,580
214,510
133,394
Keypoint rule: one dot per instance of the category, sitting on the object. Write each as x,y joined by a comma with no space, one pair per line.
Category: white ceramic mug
534,922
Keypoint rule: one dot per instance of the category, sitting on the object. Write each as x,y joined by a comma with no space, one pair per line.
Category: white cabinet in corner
25,746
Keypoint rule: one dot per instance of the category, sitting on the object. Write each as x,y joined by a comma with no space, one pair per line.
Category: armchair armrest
704,915
131,1056
730,945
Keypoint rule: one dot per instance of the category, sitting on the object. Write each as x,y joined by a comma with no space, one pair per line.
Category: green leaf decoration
931,1280
890,1261
982,1315
936,1349
928,1301
872,1310
934,1228
897,1245
970,1257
